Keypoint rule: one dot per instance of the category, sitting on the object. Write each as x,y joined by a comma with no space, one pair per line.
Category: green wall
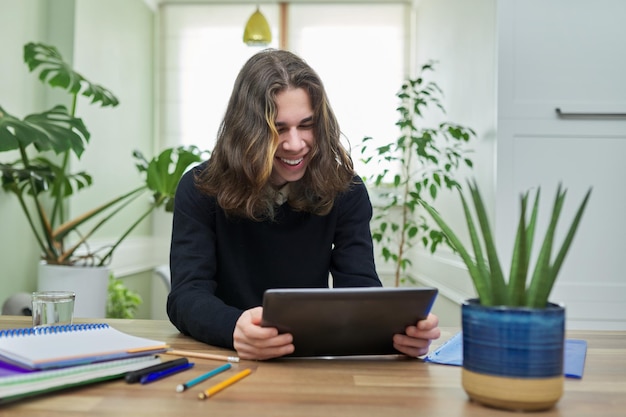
111,43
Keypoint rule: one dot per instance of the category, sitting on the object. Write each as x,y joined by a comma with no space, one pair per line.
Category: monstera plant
39,148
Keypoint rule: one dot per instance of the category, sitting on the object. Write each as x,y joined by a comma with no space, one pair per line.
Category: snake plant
521,289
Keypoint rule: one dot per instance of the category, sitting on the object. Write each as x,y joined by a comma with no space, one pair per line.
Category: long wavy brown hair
241,162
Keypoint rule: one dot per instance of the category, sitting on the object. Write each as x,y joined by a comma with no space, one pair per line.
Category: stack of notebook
44,359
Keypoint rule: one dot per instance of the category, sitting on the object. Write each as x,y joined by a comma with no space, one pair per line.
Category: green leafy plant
428,158
40,177
484,267
122,303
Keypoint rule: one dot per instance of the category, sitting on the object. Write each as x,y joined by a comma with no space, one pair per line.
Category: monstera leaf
57,73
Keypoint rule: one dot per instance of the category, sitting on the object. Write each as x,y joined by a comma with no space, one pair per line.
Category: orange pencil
218,387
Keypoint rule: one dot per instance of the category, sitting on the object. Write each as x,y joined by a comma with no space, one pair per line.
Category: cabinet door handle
570,115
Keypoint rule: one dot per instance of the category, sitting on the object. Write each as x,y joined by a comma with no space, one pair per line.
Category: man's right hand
251,341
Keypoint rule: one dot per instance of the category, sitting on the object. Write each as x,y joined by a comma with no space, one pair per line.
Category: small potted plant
513,336
41,180
122,302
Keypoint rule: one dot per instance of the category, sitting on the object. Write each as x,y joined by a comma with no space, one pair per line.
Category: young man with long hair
277,205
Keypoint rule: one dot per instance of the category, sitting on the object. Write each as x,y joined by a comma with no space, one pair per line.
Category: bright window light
361,60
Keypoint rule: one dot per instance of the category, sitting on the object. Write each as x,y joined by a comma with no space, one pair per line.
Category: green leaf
556,266
545,273
520,259
481,285
498,285
539,285
57,73
433,191
53,130
165,171
482,282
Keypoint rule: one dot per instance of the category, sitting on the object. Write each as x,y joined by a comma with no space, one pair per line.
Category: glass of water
53,308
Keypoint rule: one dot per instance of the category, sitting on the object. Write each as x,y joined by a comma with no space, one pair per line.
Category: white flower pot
89,283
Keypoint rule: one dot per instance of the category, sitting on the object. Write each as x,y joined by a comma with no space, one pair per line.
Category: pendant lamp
257,31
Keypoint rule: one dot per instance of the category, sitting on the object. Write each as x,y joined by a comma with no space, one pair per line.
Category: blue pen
189,384
167,372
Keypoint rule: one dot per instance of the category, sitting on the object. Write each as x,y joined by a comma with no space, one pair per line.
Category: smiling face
294,122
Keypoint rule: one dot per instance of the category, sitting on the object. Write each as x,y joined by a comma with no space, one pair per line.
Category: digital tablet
345,321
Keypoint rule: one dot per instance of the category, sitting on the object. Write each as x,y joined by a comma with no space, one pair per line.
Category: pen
201,355
230,381
151,377
195,381
135,376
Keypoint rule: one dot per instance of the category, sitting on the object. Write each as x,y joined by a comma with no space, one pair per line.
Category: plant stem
406,166
58,210
130,229
48,247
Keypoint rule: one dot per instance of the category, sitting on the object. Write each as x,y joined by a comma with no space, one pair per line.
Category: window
357,49
202,52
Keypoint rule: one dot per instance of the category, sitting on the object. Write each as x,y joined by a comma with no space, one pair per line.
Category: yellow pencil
218,387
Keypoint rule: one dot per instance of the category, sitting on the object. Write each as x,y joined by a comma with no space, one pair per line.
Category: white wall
461,36
113,47
20,94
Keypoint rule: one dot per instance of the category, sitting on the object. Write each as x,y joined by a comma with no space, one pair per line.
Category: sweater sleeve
192,305
352,263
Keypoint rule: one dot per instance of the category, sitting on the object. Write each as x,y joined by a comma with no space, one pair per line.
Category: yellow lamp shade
257,31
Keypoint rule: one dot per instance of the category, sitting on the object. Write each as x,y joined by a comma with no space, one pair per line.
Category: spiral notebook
70,345
28,384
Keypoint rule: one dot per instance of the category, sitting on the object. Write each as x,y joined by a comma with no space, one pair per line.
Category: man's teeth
291,161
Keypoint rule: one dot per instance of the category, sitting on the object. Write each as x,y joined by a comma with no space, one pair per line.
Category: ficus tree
418,164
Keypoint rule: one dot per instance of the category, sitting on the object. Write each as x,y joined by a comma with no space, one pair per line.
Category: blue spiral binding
64,328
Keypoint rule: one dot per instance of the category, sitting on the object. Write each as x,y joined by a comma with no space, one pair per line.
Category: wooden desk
323,388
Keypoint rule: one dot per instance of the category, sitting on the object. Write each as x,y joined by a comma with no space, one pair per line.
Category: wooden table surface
322,387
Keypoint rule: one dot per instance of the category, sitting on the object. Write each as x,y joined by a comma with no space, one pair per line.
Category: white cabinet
571,55
561,53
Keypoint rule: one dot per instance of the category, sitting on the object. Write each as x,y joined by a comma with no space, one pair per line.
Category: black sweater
221,266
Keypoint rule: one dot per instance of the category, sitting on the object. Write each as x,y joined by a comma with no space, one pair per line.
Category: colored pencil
204,377
230,381
201,355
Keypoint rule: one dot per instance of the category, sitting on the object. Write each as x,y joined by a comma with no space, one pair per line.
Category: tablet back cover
345,321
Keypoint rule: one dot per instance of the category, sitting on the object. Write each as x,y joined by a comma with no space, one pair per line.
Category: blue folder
451,353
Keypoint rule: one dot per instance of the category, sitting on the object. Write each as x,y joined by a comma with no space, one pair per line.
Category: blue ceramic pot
506,349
